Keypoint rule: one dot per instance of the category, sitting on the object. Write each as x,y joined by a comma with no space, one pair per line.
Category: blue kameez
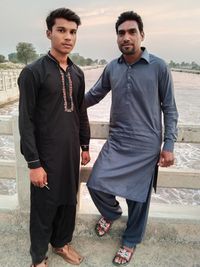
141,92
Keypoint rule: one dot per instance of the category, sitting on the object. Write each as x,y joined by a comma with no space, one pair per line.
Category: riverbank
186,70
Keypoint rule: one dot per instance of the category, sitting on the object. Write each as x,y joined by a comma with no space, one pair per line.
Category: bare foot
69,254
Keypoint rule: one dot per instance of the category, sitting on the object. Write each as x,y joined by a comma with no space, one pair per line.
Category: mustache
127,43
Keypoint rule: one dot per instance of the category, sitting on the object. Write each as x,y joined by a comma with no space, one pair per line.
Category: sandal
69,254
124,256
102,227
44,261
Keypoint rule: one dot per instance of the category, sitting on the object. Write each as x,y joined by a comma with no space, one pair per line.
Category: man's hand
38,177
85,157
166,159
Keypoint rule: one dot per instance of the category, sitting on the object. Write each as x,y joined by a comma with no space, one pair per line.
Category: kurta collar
69,62
144,56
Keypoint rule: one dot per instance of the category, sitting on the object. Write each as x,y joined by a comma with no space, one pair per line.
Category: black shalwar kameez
53,124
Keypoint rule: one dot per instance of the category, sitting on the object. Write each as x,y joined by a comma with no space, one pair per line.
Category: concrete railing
170,177
8,85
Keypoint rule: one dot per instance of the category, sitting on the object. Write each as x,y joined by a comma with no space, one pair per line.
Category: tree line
184,65
26,53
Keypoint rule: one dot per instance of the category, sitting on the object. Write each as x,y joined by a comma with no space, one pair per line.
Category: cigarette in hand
47,186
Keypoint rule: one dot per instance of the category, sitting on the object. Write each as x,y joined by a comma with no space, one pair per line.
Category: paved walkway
167,243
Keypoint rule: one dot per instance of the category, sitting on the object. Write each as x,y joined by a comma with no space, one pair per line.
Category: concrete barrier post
22,172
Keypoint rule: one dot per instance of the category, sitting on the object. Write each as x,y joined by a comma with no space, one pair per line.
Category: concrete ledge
179,178
157,210
6,125
173,211
170,177
188,133
8,203
7,169
99,130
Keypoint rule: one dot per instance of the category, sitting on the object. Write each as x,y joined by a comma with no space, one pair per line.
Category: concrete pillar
8,86
22,171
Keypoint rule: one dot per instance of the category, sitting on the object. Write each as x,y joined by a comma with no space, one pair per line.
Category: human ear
48,33
143,35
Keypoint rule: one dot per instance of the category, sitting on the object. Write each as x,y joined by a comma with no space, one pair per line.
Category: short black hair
129,15
64,13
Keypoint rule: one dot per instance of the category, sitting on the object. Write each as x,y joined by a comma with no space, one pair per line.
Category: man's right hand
38,177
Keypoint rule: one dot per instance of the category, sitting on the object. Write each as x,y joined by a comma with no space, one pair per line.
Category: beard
127,50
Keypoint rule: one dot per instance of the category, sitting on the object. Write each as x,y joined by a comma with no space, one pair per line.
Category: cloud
171,27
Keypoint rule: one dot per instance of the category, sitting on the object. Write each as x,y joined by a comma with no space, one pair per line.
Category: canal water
187,93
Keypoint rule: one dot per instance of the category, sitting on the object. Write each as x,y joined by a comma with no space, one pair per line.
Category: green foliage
26,52
12,57
77,59
184,65
2,59
81,61
102,62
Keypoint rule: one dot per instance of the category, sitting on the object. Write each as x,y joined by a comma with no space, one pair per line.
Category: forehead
128,24
64,23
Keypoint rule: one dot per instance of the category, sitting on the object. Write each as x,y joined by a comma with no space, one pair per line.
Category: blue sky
172,28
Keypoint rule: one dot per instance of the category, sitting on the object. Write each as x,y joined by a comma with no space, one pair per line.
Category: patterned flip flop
102,227
125,255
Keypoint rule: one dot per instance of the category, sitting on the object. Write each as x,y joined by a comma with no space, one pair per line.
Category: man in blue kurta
142,90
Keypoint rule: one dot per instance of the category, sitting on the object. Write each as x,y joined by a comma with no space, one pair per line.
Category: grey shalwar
141,92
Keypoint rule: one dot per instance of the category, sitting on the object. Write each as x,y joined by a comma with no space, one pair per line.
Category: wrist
168,146
34,164
85,147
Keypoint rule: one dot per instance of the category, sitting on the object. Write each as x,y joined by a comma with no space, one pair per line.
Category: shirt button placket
128,89
129,80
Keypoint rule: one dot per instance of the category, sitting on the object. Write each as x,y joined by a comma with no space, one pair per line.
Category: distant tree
81,61
96,61
183,64
88,62
12,57
172,64
26,52
77,59
102,62
2,59
195,66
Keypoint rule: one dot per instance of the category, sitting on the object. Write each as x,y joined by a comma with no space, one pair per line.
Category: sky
172,28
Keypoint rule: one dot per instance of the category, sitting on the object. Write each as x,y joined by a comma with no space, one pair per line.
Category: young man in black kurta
53,124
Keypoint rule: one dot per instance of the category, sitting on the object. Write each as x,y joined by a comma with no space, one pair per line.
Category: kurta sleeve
83,118
99,90
169,109
27,103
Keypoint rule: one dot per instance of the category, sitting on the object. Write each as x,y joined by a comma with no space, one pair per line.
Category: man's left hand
85,157
166,159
